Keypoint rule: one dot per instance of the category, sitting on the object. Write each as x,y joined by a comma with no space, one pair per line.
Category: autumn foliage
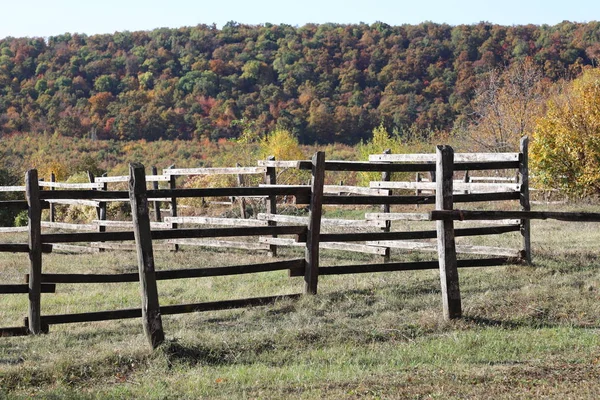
565,152
324,83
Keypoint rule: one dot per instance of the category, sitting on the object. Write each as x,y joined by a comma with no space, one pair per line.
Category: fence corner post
524,198
311,273
445,234
32,191
151,318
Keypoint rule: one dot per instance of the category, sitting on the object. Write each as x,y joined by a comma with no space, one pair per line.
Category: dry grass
528,331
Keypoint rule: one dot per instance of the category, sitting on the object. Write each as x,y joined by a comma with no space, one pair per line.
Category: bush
22,219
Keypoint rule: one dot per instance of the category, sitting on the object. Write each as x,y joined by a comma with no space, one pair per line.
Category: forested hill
324,82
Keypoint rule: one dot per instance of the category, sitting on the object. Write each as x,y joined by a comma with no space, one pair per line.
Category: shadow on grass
220,355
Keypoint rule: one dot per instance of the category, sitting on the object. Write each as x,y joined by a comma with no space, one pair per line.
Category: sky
43,18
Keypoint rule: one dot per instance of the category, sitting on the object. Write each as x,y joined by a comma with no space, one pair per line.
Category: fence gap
32,191
524,198
445,233
151,318
311,272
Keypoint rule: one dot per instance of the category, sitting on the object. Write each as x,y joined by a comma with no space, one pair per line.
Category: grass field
527,331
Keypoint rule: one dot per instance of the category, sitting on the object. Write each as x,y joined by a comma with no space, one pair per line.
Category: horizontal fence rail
458,157
165,310
174,234
464,215
372,235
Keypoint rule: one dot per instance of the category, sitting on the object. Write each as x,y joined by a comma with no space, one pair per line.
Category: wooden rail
305,231
408,266
174,274
165,310
458,157
466,215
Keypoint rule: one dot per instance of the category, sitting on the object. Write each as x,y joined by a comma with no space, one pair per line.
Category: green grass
527,331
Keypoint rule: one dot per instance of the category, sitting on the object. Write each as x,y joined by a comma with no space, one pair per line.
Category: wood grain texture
35,250
311,274
445,234
151,317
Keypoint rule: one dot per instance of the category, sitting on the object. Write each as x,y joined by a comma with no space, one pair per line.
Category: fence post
417,190
311,272
241,200
102,205
32,191
524,199
445,233
101,208
52,209
173,186
151,318
156,204
386,176
271,179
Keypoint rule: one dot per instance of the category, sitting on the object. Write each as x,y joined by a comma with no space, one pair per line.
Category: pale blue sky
48,17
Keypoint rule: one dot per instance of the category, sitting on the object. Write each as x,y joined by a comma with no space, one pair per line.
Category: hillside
327,83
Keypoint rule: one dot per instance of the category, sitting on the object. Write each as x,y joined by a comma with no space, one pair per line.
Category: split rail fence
307,230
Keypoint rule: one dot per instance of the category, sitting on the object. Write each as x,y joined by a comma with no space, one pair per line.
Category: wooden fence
271,226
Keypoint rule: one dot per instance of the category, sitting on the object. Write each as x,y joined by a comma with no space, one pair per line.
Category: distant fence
270,226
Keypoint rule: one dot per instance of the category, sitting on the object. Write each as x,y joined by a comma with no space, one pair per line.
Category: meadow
527,331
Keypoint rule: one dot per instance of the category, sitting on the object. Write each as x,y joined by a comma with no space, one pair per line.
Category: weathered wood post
151,318
32,191
271,202
173,186
386,176
417,190
101,208
241,200
445,234
102,204
311,272
52,208
524,198
156,204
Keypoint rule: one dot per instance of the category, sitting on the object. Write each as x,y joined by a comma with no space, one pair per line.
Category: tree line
325,83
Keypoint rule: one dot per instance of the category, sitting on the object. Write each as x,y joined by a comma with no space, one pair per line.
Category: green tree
106,83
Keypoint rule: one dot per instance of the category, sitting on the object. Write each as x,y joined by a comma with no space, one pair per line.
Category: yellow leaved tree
565,151
381,141
284,146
